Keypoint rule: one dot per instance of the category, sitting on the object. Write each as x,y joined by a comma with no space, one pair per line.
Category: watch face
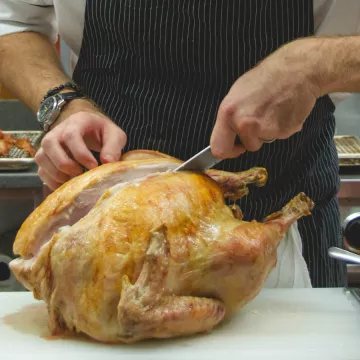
46,110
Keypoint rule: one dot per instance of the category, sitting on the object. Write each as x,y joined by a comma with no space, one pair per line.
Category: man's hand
270,101
81,128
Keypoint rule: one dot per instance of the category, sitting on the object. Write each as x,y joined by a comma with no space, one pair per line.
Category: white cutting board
279,324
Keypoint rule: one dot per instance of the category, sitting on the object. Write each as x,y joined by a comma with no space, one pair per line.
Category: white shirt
66,18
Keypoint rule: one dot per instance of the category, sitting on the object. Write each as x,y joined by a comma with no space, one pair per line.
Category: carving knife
201,161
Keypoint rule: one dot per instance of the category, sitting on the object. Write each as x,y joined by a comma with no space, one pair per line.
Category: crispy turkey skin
133,250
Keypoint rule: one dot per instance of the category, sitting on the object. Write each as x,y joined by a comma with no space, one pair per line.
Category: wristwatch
51,107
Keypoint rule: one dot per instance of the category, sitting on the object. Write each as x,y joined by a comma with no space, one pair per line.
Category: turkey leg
144,310
250,253
234,185
296,208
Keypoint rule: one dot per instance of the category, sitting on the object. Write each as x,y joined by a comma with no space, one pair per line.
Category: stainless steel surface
348,148
343,255
349,187
349,156
351,218
18,159
15,115
356,293
347,144
349,201
353,272
351,232
201,161
347,115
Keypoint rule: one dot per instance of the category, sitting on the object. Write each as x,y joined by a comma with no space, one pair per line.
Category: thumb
113,141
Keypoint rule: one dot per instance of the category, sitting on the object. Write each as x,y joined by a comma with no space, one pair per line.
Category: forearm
332,63
29,66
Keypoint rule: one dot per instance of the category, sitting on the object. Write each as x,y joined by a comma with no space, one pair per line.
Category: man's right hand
80,128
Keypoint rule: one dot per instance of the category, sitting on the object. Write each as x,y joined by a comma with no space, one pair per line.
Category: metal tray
348,148
18,159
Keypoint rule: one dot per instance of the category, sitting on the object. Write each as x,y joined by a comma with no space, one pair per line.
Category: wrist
54,102
74,107
317,62
61,102
331,64
303,62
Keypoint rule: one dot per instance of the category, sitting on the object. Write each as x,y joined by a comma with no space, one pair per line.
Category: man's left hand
271,101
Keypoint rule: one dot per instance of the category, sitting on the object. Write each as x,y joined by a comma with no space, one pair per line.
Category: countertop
20,179
278,324
350,178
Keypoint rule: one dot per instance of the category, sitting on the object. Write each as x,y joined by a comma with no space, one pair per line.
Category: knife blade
201,161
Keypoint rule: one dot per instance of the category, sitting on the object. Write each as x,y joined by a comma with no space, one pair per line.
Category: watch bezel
47,120
58,102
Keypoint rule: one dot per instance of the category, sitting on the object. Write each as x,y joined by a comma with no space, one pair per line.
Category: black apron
160,69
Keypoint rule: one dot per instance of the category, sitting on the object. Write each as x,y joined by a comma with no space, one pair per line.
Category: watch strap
71,95
57,89
63,99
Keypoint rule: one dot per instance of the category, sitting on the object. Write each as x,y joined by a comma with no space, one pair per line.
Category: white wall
348,116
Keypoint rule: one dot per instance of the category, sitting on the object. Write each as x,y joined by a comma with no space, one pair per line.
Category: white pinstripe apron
160,68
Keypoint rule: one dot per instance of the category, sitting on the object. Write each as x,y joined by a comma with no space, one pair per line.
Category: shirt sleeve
28,15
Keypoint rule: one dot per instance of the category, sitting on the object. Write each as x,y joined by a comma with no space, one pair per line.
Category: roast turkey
134,250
